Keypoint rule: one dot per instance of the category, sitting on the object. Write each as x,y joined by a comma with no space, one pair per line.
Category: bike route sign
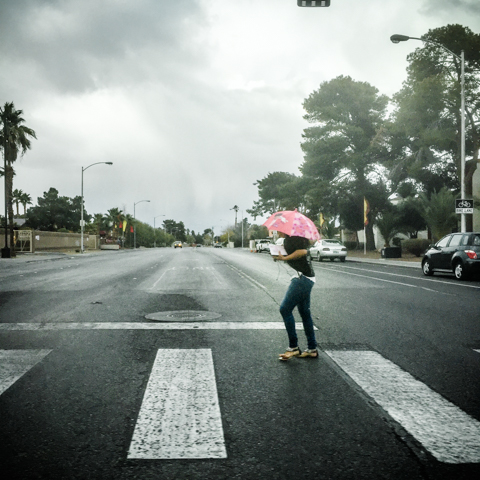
463,206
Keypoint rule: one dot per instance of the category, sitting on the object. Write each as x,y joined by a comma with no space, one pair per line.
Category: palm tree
25,200
16,198
14,138
127,227
438,212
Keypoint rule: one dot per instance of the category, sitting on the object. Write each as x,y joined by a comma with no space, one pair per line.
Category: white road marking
447,432
246,277
180,413
387,281
475,350
15,363
423,278
147,326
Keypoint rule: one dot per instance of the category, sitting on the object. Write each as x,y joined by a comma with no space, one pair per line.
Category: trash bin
391,252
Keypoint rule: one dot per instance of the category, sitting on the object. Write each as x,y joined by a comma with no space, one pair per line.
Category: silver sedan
331,249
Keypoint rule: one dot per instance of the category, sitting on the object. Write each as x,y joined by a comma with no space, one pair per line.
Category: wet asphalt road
73,414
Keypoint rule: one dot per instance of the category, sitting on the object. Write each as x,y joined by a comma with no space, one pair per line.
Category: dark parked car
458,253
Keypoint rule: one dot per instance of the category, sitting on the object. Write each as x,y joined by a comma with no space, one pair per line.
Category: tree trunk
9,189
370,237
470,168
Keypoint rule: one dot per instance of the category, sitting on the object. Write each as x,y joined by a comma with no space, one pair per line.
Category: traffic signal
313,3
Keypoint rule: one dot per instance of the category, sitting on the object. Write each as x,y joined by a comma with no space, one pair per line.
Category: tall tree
113,219
427,120
14,139
25,200
16,197
177,229
277,191
438,212
345,147
54,212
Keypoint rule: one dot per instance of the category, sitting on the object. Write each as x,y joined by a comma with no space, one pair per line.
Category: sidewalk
45,256
407,260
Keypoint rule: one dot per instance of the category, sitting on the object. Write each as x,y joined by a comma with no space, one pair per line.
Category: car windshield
331,242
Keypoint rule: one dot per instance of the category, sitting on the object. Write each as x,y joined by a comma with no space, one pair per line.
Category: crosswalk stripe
147,326
15,363
180,413
447,432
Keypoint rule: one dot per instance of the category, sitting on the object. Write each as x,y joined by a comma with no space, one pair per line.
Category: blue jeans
298,295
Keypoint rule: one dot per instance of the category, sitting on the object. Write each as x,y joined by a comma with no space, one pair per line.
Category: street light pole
82,222
135,224
403,38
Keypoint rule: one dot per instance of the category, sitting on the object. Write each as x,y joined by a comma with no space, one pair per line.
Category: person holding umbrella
297,230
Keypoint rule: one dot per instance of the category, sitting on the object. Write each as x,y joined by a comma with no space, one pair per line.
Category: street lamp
155,232
82,222
135,224
403,38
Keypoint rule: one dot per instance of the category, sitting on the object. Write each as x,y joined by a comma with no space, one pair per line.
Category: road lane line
246,277
15,363
447,432
423,278
146,326
161,276
180,414
387,281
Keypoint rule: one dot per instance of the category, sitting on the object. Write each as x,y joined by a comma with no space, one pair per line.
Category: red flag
120,226
131,229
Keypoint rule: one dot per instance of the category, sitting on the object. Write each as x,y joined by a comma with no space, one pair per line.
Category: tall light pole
82,222
403,38
135,224
155,232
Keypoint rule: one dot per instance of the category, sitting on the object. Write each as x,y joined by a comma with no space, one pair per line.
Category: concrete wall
55,241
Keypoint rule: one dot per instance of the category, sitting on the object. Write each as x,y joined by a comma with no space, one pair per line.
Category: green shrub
415,246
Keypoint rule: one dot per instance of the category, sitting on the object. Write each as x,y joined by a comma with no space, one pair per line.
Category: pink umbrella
293,223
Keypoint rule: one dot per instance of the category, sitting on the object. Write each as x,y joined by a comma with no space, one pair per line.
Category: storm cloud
192,100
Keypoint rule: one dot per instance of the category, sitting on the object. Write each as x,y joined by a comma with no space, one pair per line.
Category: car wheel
342,259
459,271
427,268
319,258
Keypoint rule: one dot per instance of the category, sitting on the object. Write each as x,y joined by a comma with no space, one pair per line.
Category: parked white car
262,245
331,249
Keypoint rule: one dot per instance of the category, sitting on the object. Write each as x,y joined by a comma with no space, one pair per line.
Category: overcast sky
192,100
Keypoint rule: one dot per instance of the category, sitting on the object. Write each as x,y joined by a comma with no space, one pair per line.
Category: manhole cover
182,316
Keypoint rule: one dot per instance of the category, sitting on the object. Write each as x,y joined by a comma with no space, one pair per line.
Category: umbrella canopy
293,223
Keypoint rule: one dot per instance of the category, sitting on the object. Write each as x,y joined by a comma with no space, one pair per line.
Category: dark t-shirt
303,264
